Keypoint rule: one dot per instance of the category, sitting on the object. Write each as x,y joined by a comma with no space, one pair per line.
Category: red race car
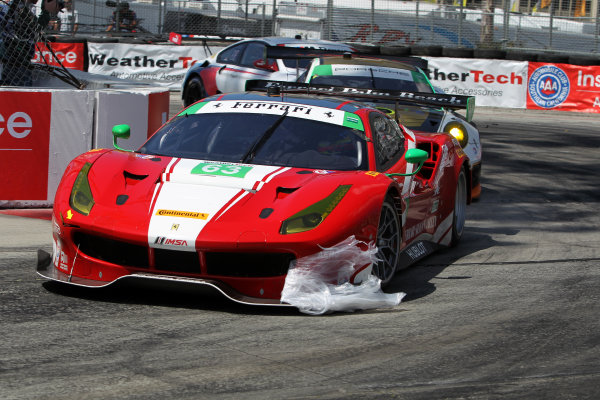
239,188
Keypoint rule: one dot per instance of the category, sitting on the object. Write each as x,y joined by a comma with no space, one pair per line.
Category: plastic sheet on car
319,283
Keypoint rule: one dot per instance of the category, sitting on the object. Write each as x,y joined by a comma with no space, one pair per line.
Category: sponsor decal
231,170
425,225
322,171
174,227
314,113
372,173
416,251
182,214
291,108
170,242
435,205
548,86
24,145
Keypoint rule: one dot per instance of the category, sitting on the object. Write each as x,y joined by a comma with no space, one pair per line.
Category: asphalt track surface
512,312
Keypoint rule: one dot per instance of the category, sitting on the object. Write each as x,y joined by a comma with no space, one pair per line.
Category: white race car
228,70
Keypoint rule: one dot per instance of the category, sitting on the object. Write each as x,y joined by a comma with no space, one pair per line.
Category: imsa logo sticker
548,86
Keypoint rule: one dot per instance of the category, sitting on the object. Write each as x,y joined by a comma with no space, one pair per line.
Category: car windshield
418,118
287,141
296,63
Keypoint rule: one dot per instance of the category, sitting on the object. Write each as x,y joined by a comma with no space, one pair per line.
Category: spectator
68,19
20,29
126,17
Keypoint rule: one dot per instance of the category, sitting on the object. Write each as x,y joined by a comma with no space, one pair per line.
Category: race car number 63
237,171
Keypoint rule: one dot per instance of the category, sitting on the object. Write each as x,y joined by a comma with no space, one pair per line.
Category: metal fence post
273,17
551,24
597,29
329,18
417,22
218,17
160,15
506,22
372,18
460,19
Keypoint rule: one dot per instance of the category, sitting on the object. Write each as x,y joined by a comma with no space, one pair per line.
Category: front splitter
48,271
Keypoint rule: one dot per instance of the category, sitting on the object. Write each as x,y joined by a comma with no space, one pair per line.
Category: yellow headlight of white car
459,131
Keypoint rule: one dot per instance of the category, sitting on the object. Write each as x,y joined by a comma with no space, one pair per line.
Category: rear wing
292,53
450,101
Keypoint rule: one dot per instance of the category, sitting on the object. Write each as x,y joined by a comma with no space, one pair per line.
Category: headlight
311,217
459,131
81,199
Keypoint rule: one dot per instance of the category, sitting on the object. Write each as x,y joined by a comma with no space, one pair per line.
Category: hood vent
283,192
132,179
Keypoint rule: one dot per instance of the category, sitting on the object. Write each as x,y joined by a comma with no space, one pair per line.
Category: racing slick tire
460,208
194,91
389,236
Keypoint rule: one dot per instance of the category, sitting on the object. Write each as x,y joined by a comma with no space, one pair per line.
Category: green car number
235,171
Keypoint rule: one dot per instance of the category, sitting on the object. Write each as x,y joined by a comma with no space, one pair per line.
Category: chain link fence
562,26
558,25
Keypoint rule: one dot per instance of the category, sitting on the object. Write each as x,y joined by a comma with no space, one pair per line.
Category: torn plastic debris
311,285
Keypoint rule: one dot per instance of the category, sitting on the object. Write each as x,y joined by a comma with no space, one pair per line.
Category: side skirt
416,251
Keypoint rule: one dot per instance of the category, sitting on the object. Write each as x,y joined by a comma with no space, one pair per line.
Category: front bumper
46,269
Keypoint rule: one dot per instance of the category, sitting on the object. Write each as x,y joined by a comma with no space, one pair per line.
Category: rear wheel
460,208
194,91
388,242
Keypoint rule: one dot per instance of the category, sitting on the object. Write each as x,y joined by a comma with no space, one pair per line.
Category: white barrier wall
494,83
42,130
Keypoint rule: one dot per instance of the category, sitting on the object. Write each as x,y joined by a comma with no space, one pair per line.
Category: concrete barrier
43,128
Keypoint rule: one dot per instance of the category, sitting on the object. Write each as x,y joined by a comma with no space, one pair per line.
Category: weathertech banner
24,145
494,83
563,87
71,55
162,64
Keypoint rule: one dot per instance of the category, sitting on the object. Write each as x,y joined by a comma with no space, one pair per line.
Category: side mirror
413,156
120,131
416,156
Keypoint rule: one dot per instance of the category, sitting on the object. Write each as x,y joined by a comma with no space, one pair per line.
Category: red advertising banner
563,87
71,55
24,145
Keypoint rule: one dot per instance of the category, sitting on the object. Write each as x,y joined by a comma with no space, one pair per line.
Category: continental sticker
182,214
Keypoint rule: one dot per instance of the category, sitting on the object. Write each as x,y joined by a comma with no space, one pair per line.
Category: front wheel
388,242
460,208
194,91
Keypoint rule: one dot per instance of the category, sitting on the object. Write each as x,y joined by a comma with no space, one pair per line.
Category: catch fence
557,25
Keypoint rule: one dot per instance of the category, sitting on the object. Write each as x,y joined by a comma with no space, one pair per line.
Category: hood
181,203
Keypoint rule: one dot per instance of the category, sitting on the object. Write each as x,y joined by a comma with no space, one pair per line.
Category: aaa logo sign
548,86
24,143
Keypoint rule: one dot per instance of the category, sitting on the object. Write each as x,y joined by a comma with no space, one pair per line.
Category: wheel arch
466,165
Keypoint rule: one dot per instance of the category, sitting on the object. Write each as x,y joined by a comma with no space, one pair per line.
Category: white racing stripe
193,192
